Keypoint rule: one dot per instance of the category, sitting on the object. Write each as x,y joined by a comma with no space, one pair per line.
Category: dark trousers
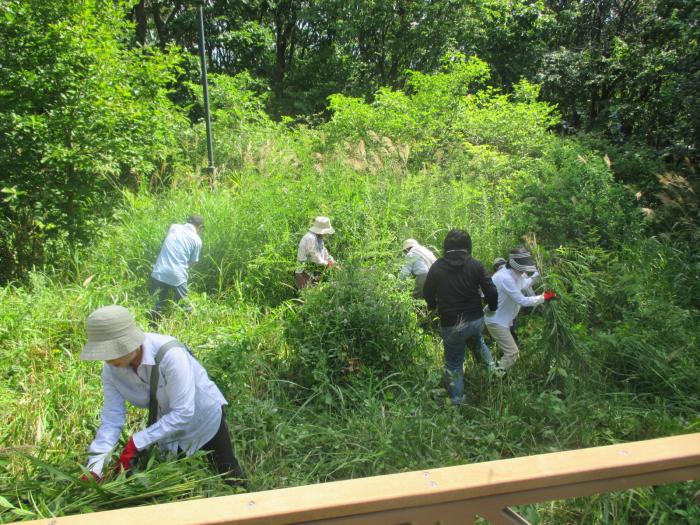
223,457
164,292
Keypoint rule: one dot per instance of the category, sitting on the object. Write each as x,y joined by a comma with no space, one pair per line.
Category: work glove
331,263
549,295
127,460
95,476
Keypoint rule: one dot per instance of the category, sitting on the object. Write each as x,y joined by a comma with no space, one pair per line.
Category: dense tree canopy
94,94
628,68
81,114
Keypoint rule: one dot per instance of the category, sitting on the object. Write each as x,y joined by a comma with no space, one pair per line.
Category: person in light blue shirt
180,250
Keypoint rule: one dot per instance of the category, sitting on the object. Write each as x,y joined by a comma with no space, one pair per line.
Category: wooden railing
445,496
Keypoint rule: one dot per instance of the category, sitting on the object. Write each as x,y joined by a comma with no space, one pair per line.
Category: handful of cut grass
42,490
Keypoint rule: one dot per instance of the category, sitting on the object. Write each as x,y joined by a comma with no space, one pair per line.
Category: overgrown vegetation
344,379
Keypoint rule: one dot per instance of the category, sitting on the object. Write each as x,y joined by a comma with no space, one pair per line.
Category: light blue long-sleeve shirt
180,250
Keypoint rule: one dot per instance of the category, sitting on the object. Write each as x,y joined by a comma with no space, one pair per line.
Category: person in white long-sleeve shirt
189,405
417,262
511,280
312,254
528,291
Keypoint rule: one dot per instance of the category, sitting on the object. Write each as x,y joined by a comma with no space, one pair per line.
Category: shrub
627,317
570,197
443,110
239,122
358,320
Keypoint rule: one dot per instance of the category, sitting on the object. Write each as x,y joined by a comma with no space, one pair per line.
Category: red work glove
549,295
127,460
96,477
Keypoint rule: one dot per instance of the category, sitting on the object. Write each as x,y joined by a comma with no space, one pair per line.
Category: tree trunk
285,23
161,28
139,14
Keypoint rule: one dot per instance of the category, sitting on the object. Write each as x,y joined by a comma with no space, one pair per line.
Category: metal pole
205,87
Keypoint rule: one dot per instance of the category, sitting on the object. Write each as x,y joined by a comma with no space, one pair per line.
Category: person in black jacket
453,285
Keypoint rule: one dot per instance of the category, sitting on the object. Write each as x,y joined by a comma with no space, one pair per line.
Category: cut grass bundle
42,490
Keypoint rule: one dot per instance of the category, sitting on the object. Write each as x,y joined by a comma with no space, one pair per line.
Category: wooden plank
591,487
454,513
415,489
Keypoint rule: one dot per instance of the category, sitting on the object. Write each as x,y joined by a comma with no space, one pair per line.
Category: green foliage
338,381
633,314
359,321
79,114
627,70
41,489
569,197
239,120
445,110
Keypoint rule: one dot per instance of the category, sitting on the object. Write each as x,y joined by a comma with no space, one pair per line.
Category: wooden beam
461,491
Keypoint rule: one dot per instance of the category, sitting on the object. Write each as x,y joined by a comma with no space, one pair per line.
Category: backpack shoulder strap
153,401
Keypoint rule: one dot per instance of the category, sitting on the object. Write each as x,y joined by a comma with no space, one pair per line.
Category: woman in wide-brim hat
190,413
312,254
511,280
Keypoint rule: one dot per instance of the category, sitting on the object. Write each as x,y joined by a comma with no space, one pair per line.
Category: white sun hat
409,243
322,226
112,333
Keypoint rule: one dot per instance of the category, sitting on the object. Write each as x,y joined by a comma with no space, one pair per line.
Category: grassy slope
604,365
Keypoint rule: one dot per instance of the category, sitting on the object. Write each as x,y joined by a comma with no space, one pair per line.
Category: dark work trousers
164,291
223,457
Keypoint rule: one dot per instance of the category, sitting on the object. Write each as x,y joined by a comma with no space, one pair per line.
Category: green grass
615,359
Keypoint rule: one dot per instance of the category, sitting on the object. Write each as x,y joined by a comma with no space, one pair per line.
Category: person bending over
157,372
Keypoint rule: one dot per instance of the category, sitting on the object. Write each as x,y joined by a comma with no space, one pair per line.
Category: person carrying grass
511,281
454,286
417,262
313,255
156,372
179,252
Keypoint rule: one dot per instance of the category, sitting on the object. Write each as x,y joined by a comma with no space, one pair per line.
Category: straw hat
409,243
112,333
322,226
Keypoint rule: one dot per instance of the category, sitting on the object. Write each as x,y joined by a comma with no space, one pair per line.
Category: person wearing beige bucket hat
312,254
157,372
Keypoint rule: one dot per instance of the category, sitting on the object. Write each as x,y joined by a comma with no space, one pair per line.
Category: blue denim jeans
484,354
455,339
